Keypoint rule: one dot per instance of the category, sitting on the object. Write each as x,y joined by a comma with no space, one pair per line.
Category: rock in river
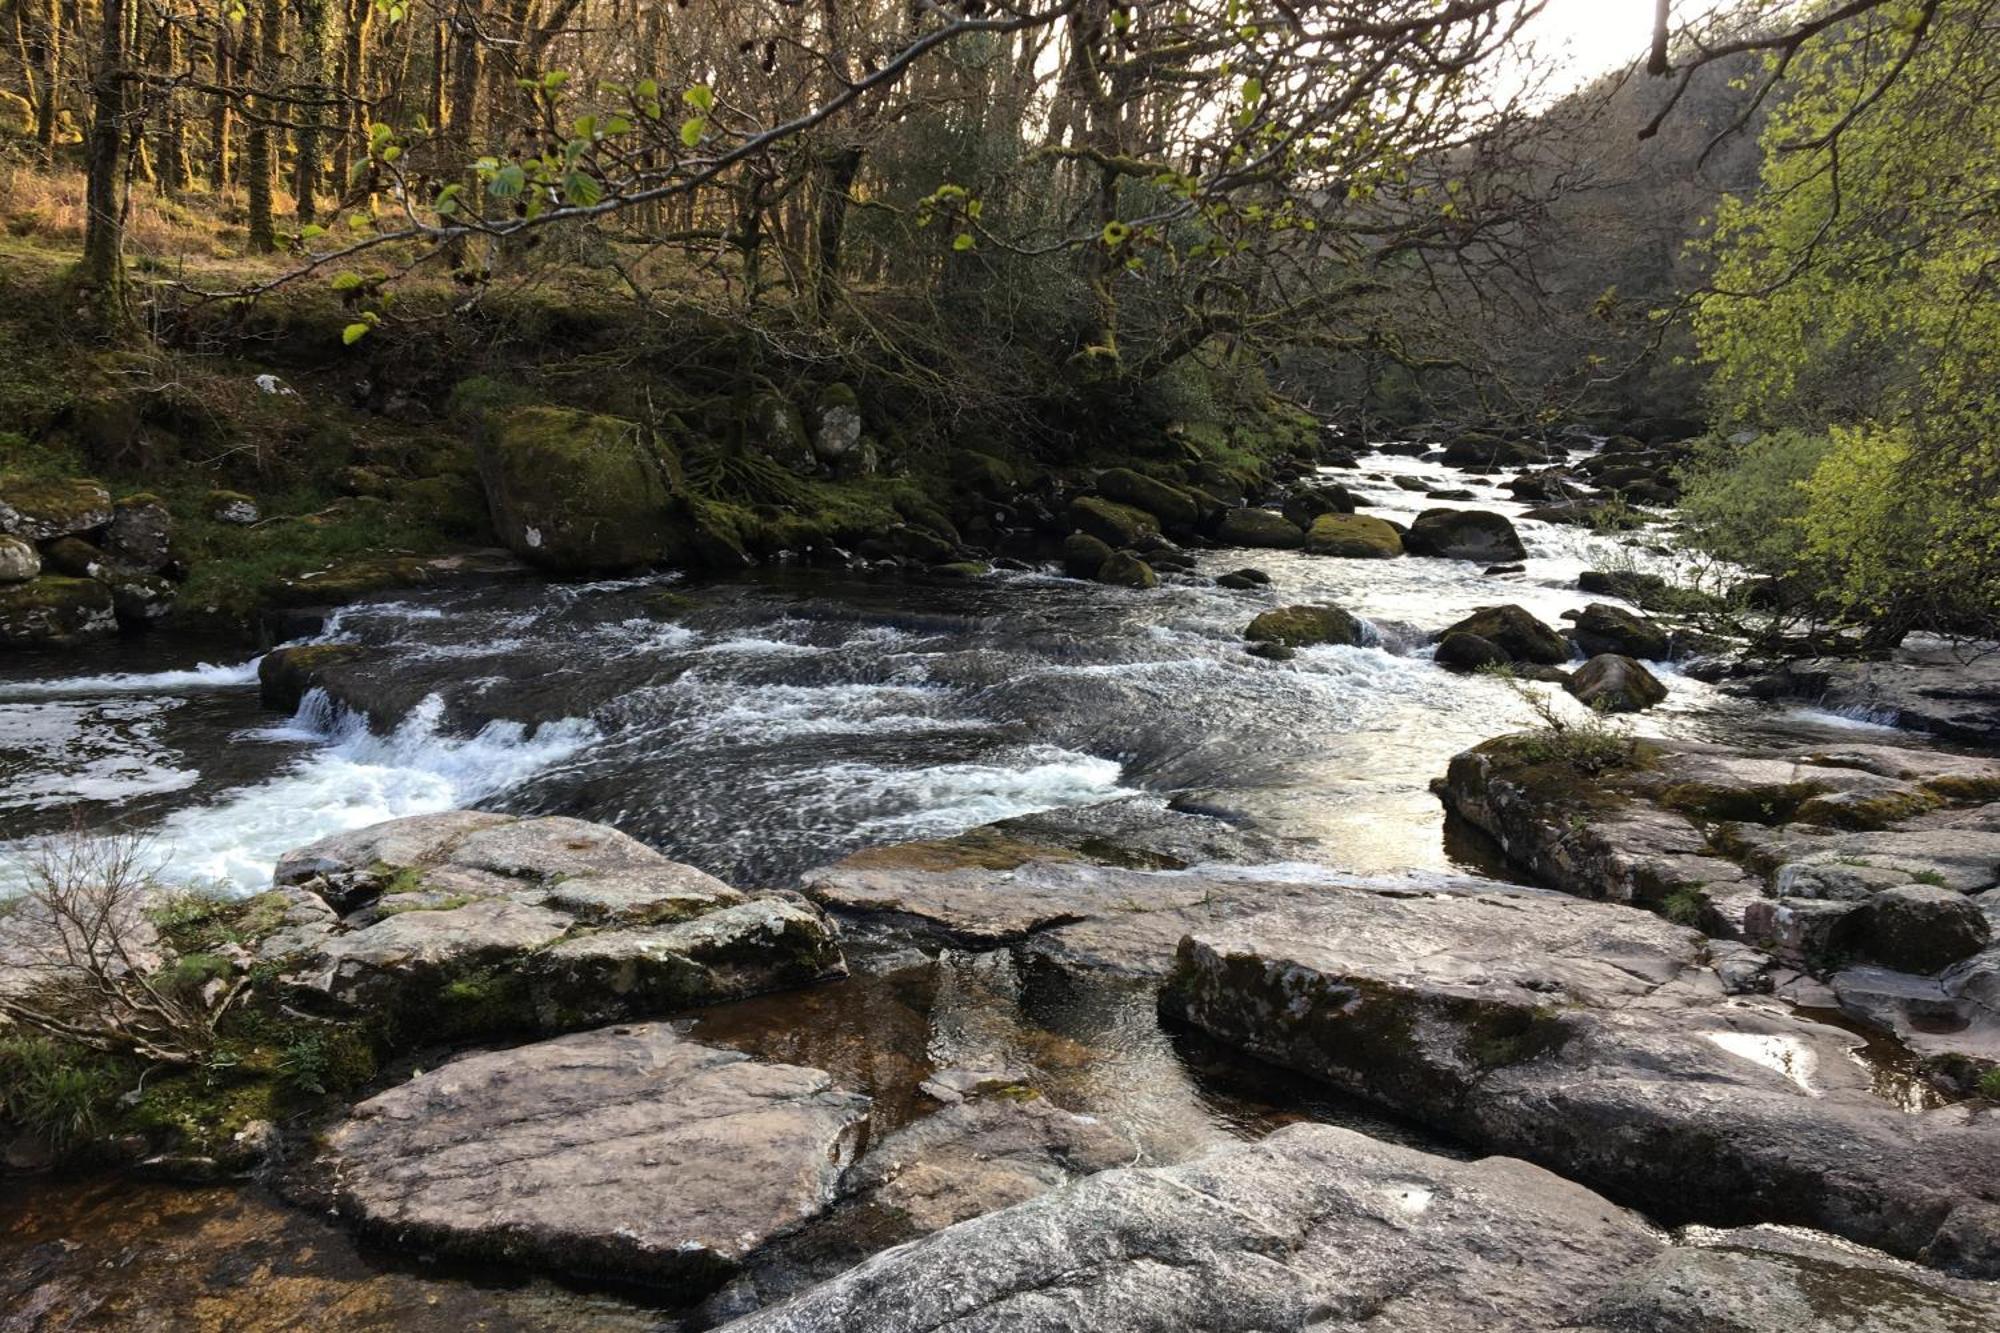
1598,1041
1320,1228
1259,527
1465,534
1516,633
1304,626
467,923
1603,628
626,1151
1611,683
1356,536
576,493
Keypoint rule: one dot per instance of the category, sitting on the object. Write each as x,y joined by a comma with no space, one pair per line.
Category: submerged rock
625,1151
1465,534
466,923
1596,1040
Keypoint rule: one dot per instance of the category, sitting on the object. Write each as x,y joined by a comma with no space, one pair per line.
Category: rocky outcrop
1610,683
1600,1042
576,493
1465,534
1924,685
43,509
1305,626
1355,536
626,1151
1175,509
1113,524
1320,1227
19,561
466,923
1309,503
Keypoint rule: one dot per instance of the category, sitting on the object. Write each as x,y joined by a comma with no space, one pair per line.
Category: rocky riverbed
1007,951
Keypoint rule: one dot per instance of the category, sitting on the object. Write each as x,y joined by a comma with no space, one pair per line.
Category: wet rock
980,1155
1922,928
1111,523
1175,509
1465,534
1083,555
1757,1279
1926,685
1308,503
576,493
1468,652
19,561
465,923
1516,633
1646,590
1603,628
1243,580
286,675
1611,683
42,509
1495,571
1548,484
1355,536
232,507
626,1151
56,611
1313,1224
1124,570
1258,528
1594,1040
1305,626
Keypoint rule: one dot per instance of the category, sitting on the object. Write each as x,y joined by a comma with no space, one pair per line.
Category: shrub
1591,743
1747,502
59,1091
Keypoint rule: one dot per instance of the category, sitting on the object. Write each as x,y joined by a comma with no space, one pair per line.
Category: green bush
1747,502
59,1091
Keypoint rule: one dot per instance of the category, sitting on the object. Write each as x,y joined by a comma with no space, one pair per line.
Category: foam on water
355,778
950,798
207,676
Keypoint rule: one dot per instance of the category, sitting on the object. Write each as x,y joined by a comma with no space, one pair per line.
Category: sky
1595,35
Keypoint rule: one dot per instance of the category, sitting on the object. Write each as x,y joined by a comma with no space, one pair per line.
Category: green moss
1989,1085
194,922
1684,907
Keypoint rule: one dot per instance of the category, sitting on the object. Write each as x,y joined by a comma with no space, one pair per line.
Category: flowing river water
758,727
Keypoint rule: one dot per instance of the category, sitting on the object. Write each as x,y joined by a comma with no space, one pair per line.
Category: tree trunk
354,84
102,270
48,100
837,173
260,155
176,172
221,119
314,18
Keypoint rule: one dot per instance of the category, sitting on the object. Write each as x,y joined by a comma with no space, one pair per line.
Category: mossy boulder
1302,506
1304,626
1465,534
985,475
1083,555
1603,628
777,429
1125,570
836,437
1355,536
74,558
40,509
1112,523
53,610
1259,528
1516,633
140,534
1175,509
138,599
577,493
1922,928
1611,683
231,507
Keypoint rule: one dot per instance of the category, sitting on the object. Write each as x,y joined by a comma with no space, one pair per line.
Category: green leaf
447,200
507,182
646,88
581,188
353,334
700,97
691,130
615,125
962,241
554,79
311,231
391,153
1115,234
346,282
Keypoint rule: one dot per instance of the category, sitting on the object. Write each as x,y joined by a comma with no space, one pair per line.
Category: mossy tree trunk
48,44
225,67
260,154
101,274
315,20
176,171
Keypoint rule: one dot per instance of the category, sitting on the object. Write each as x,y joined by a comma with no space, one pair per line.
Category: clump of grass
57,1090
1989,1085
1683,907
1592,743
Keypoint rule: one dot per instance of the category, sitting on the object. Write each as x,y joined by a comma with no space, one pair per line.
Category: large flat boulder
1598,1041
625,1151
466,922
1322,1228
